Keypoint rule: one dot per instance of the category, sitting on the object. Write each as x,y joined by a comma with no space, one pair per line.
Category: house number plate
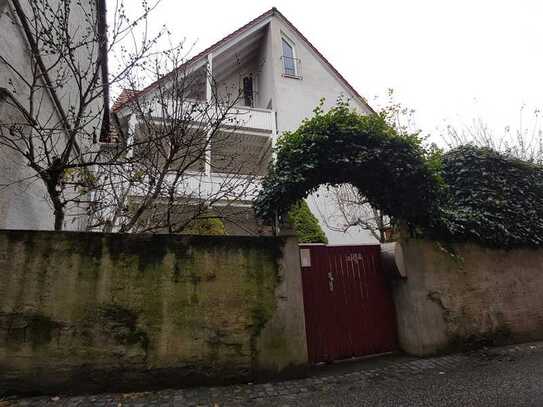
305,256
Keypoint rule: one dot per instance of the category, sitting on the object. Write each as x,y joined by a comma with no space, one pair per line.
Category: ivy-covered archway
342,146
467,194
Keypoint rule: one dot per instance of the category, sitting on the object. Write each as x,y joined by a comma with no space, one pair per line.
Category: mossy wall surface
465,295
95,311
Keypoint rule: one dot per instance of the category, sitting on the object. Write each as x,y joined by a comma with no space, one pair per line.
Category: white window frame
292,44
255,77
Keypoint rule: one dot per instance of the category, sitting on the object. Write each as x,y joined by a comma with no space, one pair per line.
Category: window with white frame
290,65
248,91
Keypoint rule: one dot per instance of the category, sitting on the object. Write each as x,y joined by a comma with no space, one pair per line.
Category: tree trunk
55,196
59,219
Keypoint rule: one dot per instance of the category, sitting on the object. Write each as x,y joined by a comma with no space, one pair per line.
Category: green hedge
468,194
207,226
490,198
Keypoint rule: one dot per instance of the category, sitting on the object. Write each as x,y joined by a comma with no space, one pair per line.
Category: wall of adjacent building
466,295
78,309
23,197
22,203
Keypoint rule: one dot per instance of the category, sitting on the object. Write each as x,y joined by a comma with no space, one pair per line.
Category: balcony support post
274,133
131,137
209,100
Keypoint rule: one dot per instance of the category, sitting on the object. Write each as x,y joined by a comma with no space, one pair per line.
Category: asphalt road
508,376
481,380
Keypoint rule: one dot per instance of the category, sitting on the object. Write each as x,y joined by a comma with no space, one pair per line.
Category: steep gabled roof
267,15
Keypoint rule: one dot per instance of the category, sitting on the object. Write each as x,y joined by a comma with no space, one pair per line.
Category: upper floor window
248,92
290,65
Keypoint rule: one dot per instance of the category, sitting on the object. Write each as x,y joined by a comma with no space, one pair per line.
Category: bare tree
524,142
184,158
346,208
67,68
350,210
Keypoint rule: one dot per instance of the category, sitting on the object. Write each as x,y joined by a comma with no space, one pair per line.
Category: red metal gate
348,303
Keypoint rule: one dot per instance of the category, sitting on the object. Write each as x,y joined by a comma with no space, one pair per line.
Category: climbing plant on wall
342,146
466,194
490,198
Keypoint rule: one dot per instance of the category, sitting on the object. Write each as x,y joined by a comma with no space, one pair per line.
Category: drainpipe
103,60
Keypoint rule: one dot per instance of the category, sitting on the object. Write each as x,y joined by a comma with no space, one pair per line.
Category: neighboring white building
23,198
282,78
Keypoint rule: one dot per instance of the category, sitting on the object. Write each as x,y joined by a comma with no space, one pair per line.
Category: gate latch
331,281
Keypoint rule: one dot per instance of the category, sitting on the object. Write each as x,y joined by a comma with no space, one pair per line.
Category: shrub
306,224
467,194
209,226
490,198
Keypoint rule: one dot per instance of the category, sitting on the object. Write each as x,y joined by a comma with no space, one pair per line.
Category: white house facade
280,77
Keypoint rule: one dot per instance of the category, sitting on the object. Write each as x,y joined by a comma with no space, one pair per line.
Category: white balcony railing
292,67
255,119
219,187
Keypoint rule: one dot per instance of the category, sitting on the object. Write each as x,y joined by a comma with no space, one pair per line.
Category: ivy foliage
306,224
467,194
342,146
490,198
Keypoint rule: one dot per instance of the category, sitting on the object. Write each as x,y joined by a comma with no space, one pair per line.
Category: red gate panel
349,309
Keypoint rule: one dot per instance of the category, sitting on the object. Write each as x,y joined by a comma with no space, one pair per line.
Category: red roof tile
124,97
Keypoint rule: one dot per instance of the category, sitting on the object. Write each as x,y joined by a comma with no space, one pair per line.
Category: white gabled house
280,78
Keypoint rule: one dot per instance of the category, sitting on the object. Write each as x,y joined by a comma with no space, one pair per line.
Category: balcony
238,117
254,119
220,188
235,159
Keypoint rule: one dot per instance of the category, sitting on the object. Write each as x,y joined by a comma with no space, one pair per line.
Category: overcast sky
452,60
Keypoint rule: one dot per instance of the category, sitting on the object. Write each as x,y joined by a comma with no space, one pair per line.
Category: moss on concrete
123,325
133,302
34,329
474,297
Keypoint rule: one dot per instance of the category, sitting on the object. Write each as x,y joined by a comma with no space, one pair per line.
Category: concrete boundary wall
83,311
467,295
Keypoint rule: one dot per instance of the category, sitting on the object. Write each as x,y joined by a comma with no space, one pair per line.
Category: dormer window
290,63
